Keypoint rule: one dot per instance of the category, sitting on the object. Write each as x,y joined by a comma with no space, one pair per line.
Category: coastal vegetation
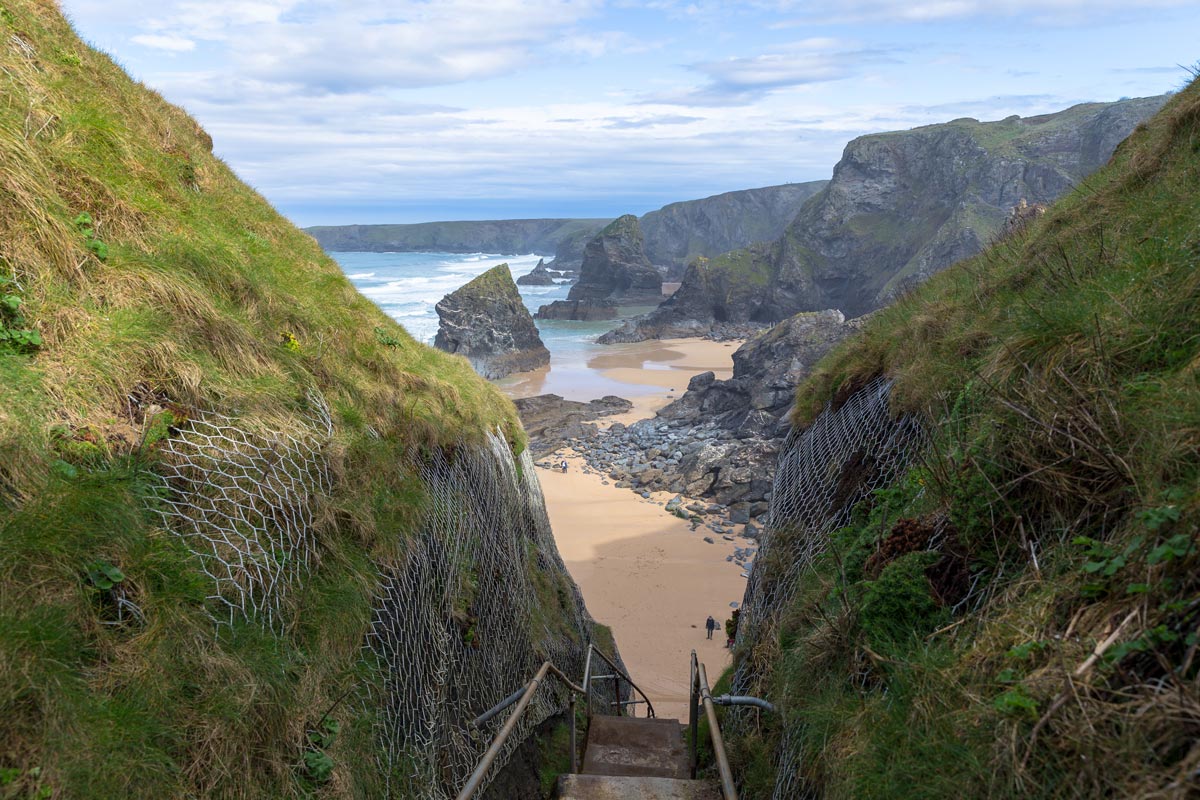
146,292
1018,614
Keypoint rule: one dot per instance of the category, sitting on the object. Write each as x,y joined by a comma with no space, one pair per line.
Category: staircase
626,757
639,759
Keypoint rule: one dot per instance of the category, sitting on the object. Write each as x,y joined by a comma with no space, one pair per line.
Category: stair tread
625,746
618,787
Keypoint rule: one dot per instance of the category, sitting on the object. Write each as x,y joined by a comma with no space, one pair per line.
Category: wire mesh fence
243,501
824,470
480,599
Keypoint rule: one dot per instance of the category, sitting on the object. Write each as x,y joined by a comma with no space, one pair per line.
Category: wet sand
646,575
643,571
650,374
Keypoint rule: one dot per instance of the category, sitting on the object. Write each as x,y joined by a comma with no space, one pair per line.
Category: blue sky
344,111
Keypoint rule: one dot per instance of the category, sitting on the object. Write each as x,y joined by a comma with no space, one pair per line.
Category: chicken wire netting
244,501
824,470
478,601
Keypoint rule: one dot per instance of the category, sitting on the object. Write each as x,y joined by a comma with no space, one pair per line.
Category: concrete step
613,787
635,747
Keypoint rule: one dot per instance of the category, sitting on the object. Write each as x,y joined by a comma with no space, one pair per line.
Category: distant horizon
355,112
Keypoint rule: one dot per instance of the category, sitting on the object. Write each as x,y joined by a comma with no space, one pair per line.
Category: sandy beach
643,571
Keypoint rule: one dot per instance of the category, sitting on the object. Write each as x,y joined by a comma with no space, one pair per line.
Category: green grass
1059,376
206,295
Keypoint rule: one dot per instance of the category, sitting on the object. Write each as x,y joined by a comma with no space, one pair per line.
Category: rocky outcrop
581,310
719,441
615,267
550,420
900,207
539,276
468,236
487,322
677,233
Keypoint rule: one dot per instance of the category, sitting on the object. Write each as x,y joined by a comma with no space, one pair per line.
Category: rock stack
487,322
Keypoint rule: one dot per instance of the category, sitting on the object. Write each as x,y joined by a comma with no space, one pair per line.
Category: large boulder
486,321
615,267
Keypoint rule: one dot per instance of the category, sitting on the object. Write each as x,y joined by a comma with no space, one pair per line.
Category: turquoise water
408,285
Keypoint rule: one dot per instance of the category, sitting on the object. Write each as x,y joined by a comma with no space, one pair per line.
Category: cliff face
900,207
673,235
487,322
255,540
615,267
474,236
677,233
980,568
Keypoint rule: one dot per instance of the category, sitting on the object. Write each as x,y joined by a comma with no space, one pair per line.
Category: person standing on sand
710,625
564,466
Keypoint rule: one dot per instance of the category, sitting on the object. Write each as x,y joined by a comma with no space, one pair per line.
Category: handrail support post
693,718
574,749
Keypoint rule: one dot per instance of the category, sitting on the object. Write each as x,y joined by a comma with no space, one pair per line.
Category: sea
408,285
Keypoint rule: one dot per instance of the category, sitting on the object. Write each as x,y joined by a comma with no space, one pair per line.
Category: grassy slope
209,297
1059,372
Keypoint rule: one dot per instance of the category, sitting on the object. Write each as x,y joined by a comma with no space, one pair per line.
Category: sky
366,111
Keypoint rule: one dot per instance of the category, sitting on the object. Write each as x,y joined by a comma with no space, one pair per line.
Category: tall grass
197,295
1059,375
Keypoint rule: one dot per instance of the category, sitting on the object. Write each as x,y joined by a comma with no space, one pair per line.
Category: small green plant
1016,702
386,339
104,576
1104,562
318,766
15,333
289,341
86,226
159,428
7,17
68,59
1023,651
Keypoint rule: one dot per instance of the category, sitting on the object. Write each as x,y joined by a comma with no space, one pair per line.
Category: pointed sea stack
486,321
539,276
615,272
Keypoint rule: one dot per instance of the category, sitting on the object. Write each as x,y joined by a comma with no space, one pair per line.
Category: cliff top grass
624,226
496,282
136,273
1012,132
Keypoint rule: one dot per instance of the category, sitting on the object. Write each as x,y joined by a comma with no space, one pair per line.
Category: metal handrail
617,675
700,693
522,698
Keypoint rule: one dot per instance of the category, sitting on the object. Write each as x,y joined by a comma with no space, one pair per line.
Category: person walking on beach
710,625
564,466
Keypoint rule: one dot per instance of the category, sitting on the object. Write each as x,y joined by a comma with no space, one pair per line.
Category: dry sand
642,571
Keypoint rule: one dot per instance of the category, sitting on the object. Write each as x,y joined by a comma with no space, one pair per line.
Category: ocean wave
361,276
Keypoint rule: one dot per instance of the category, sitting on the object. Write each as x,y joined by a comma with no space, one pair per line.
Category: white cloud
1060,12
174,44
346,45
743,79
